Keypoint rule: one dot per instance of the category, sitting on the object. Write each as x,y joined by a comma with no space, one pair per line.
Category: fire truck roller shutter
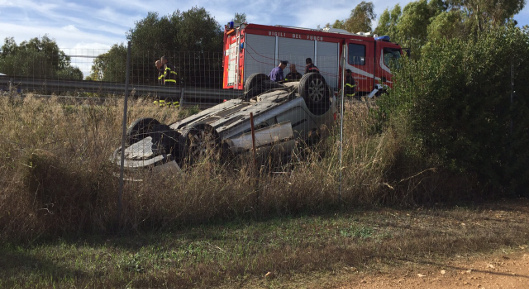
328,62
259,54
295,51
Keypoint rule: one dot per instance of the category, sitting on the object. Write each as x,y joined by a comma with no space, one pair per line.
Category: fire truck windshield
391,57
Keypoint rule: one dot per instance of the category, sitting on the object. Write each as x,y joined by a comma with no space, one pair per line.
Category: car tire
258,83
140,129
165,138
316,93
199,143
254,85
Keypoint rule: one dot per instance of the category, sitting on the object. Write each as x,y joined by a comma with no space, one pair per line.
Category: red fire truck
253,48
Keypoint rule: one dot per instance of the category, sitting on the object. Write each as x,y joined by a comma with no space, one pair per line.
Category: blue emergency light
383,38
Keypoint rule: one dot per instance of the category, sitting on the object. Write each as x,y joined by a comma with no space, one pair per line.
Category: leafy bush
465,103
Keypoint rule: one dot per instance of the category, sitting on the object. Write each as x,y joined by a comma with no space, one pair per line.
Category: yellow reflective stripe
170,80
350,85
162,102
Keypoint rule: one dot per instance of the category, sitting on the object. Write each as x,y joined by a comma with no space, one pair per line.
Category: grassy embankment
213,224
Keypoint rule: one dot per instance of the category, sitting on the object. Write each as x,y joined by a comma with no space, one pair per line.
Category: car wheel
199,143
140,129
316,92
165,139
254,85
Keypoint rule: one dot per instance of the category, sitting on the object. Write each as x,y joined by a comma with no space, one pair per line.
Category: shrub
465,103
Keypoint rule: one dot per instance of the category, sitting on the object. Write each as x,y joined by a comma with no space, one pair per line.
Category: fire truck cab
254,48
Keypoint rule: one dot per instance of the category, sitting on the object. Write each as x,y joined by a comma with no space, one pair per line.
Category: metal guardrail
186,95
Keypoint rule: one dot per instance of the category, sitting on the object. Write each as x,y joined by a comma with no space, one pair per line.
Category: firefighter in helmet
350,84
169,74
167,77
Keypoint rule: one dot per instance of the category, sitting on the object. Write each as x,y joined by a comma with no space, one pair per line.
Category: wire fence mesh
176,125
457,131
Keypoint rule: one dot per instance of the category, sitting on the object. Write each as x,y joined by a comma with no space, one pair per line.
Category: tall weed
58,180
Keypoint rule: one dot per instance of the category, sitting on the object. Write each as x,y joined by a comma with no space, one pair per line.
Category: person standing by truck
293,75
276,74
310,67
350,84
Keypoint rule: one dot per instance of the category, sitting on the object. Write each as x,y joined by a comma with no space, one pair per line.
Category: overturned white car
271,117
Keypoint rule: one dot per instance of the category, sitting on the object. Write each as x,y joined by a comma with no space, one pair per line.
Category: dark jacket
169,74
293,76
311,68
350,86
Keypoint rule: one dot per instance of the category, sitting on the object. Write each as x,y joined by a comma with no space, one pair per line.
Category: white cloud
70,28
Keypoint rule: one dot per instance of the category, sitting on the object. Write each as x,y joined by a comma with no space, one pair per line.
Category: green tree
191,40
70,73
111,66
39,58
200,38
447,25
10,47
239,18
361,17
424,21
387,23
340,24
489,14
413,25
199,32
153,34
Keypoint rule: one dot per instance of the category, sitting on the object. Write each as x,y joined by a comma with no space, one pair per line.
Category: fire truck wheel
316,92
140,129
199,143
255,85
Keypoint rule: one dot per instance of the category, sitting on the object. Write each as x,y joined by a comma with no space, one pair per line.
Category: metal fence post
342,104
123,136
182,96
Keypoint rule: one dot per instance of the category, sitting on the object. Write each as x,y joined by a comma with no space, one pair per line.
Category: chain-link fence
222,141
177,125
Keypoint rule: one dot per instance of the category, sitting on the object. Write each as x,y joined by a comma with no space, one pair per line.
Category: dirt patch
498,270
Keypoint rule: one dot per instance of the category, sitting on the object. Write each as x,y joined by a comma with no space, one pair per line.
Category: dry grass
57,179
57,183
56,176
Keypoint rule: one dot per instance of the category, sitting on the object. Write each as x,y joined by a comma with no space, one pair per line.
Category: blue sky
92,27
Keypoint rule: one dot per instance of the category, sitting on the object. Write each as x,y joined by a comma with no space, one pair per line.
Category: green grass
240,254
